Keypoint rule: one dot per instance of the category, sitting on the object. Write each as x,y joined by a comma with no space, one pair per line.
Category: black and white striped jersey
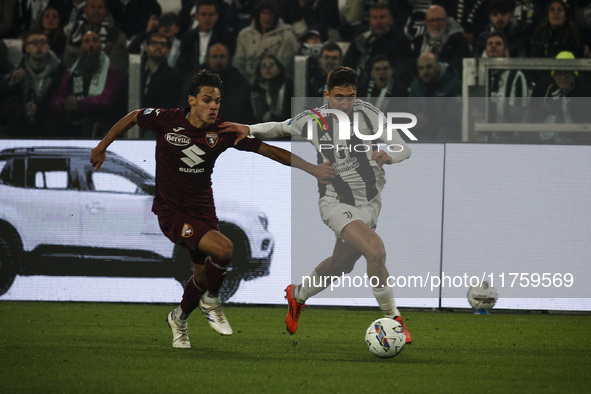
359,179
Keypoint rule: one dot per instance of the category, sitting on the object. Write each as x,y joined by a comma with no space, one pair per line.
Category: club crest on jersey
187,231
211,138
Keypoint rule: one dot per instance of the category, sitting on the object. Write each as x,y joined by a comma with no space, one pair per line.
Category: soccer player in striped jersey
188,143
350,205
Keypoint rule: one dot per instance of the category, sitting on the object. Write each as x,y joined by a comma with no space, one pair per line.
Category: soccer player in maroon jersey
187,146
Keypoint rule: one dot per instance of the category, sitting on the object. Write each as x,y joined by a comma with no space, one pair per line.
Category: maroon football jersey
185,157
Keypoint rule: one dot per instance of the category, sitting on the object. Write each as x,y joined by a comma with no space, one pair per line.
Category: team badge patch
211,138
187,231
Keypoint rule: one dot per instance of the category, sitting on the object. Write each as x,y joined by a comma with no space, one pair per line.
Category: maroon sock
191,296
215,271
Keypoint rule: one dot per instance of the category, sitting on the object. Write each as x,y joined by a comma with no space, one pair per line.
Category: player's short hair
501,6
379,58
200,3
380,6
204,78
341,76
331,46
501,36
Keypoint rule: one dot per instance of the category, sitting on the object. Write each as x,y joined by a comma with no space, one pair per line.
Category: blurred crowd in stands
72,81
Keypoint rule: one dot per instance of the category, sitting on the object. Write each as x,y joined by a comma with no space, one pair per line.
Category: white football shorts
337,215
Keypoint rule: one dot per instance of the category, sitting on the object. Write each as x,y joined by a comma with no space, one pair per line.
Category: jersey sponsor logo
177,139
212,138
187,231
148,111
177,129
192,156
191,170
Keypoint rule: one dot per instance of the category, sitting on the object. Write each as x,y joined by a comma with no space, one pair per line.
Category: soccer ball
483,297
385,337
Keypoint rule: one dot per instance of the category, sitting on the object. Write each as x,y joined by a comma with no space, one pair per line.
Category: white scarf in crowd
97,81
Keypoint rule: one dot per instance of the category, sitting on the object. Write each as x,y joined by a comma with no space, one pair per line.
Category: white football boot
180,331
212,309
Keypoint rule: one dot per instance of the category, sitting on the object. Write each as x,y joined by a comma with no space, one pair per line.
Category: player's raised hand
325,173
97,158
241,130
381,157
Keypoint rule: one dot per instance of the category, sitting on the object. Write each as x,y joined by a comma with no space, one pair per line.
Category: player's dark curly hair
204,78
341,76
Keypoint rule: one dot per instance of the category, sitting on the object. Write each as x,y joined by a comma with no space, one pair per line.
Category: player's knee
376,254
224,250
227,251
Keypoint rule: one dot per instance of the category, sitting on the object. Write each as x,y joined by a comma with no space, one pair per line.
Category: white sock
176,315
310,288
208,299
385,297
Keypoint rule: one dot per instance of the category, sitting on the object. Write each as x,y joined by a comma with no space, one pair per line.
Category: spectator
50,24
381,38
508,89
556,33
500,14
408,15
76,11
30,11
311,42
8,25
235,89
352,14
331,56
6,66
267,34
527,13
582,12
161,84
444,38
89,95
227,17
167,26
36,79
97,19
383,84
561,102
471,15
195,42
271,91
312,14
439,118
132,15
7,103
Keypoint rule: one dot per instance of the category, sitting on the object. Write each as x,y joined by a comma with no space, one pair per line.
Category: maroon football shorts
187,230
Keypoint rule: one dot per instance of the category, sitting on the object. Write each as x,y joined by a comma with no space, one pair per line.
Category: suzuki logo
193,154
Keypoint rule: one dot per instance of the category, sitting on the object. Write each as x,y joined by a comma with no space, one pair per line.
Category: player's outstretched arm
241,130
324,172
97,155
265,131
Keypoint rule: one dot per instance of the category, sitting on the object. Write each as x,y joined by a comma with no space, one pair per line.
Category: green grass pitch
110,348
